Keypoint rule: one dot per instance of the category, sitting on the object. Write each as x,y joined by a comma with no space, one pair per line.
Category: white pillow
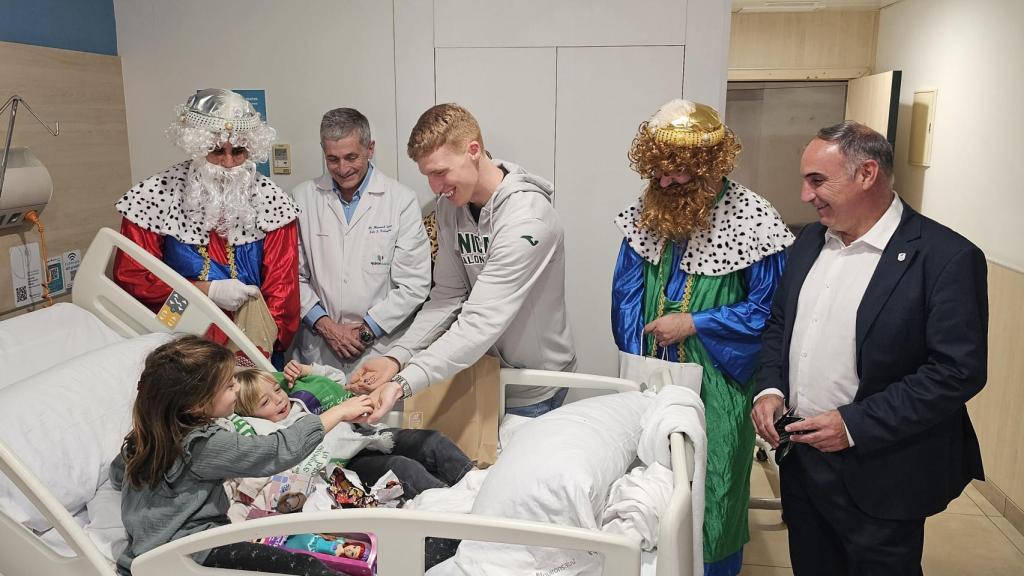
67,423
557,469
33,342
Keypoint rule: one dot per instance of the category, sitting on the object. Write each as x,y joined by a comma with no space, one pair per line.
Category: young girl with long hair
173,463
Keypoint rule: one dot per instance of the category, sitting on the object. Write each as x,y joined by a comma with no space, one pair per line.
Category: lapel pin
901,256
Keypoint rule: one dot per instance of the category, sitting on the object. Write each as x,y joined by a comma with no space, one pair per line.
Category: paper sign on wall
26,274
72,258
55,272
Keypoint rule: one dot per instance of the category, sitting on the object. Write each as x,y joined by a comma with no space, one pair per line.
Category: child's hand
293,370
356,408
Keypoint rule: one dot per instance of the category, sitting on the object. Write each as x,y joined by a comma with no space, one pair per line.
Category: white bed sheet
33,342
101,521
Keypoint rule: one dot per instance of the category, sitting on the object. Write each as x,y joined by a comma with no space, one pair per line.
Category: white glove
230,294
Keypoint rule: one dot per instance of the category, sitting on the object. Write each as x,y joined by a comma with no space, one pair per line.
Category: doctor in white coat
364,256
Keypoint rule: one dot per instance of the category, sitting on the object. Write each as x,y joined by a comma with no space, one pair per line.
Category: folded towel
675,409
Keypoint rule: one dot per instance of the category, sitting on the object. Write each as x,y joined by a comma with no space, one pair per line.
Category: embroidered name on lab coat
381,228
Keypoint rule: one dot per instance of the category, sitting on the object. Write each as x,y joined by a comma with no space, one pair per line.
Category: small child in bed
172,465
421,459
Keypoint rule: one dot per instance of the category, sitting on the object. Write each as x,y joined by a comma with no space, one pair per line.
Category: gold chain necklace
684,308
204,274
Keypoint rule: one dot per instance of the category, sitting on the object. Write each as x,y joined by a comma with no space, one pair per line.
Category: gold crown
700,128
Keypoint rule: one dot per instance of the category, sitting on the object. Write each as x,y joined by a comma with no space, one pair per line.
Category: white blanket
101,521
636,503
458,499
678,409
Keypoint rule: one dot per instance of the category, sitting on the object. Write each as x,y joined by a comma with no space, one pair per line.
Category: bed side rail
99,294
523,377
400,535
22,552
675,539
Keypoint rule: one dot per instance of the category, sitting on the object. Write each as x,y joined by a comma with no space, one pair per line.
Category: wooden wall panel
798,46
997,411
871,101
88,161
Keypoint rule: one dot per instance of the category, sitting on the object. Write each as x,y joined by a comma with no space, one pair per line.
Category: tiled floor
970,538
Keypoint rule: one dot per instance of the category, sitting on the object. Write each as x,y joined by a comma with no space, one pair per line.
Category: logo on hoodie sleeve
530,239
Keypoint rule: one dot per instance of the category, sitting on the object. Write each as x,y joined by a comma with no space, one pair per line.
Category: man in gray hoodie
499,278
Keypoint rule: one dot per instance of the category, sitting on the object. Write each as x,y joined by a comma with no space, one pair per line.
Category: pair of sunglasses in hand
785,445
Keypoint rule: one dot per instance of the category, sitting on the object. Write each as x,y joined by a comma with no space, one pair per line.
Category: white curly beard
221,199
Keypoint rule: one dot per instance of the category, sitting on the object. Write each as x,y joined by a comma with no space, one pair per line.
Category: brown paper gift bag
255,320
464,408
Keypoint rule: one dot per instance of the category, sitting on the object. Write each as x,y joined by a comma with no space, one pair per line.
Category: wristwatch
366,336
406,388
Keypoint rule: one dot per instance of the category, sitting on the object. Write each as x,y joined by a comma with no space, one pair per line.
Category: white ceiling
749,6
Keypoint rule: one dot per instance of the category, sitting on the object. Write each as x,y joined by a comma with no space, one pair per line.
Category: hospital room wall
969,52
561,88
308,56
553,84
88,161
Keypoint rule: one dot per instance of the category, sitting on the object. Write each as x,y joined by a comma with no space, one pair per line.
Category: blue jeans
542,407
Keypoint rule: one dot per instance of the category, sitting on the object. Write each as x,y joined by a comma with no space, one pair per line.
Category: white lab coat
379,263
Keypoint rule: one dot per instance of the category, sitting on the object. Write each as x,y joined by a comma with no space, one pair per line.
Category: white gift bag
656,373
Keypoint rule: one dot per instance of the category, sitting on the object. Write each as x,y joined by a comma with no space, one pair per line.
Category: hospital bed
400,533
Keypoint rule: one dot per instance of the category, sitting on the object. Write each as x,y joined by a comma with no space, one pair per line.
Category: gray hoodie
499,288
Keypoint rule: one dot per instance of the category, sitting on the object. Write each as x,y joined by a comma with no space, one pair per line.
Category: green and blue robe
736,265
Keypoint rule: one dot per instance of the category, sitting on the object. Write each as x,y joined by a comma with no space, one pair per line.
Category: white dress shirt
823,350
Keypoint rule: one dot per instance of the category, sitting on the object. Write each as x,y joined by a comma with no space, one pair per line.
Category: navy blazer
922,352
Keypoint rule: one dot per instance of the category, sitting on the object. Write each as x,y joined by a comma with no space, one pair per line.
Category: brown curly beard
679,210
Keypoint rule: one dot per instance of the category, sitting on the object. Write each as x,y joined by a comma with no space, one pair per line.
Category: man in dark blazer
877,338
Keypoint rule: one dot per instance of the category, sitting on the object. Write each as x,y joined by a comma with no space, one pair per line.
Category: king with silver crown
214,219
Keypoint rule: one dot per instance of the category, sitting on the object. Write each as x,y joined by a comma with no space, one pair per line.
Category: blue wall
83,25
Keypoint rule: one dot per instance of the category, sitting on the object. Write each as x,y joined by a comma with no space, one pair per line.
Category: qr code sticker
21,294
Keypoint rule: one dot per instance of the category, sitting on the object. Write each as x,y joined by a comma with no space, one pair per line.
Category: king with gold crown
698,266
